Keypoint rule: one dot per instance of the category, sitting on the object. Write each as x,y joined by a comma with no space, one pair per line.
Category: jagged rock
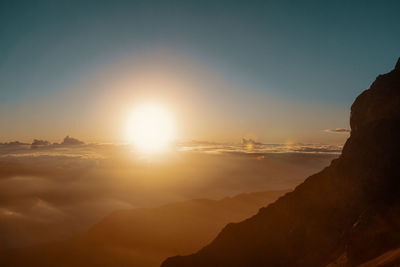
348,211
381,101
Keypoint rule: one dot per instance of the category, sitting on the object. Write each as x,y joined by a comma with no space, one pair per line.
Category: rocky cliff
347,214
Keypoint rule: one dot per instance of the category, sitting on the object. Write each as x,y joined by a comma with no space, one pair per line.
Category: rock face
347,214
381,101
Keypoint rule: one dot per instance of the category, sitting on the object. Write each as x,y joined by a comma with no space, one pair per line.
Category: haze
179,133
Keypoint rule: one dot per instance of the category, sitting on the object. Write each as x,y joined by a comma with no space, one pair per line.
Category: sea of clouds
53,191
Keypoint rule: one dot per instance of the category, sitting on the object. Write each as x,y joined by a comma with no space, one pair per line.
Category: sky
274,71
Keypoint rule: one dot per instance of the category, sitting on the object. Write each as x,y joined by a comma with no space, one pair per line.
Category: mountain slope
146,236
390,258
351,209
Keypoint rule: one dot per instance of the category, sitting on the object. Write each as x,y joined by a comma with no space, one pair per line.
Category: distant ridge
345,215
143,237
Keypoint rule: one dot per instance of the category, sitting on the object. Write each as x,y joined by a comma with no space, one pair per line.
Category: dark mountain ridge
347,214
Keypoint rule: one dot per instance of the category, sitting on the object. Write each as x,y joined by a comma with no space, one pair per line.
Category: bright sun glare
150,128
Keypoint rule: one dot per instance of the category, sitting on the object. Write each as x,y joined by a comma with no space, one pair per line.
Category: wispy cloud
337,130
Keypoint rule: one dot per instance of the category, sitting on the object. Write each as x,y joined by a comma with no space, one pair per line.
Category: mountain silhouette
346,215
145,236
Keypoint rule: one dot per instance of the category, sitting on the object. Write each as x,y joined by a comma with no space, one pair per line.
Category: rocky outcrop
349,212
380,101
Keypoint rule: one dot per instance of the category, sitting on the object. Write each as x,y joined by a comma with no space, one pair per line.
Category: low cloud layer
59,190
249,146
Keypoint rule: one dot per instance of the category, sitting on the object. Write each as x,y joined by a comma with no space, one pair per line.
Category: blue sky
314,54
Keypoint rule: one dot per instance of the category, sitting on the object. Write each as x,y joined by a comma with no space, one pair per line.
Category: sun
150,128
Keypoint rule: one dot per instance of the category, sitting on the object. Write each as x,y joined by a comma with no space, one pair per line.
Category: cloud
59,190
337,130
250,142
249,146
68,141
13,144
39,143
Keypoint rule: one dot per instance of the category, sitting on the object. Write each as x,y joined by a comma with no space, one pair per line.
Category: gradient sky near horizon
275,71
